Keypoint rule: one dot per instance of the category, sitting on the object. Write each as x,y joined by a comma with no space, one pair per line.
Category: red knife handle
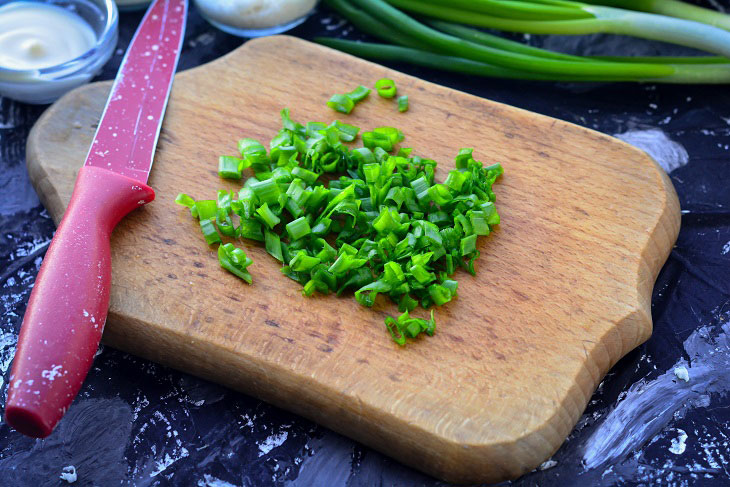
68,306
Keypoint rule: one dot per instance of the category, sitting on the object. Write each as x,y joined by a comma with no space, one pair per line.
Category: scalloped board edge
588,221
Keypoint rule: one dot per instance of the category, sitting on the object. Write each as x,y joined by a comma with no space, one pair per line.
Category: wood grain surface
562,293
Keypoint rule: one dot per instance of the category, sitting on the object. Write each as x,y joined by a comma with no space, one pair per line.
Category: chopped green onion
209,232
298,228
358,94
347,132
341,103
403,103
230,167
235,261
386,87
440,294
185,200
302,262
305,175
374,139
206,209
266,191
406,327
250,228
468,245
268,216
381,224
392,133
272,242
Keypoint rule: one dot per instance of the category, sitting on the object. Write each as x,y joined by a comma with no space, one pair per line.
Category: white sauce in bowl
38,35
254,14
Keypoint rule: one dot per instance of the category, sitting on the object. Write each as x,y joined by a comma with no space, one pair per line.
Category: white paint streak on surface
726,249
669,154
682,373
210,481
168,460
69,474
272,442
649,406
678,444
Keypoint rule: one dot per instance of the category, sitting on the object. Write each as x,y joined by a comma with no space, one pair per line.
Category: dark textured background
138,423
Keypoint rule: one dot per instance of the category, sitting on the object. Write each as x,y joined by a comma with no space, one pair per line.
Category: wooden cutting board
562,293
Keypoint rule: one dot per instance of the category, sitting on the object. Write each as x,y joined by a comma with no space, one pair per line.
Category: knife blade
68,306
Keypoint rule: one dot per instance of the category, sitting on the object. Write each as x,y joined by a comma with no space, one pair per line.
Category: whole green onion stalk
587,19
454,47
673,8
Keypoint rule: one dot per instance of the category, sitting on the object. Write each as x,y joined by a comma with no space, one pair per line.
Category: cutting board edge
637,318
387,433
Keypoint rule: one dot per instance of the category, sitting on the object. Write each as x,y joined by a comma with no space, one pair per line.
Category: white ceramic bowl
214,11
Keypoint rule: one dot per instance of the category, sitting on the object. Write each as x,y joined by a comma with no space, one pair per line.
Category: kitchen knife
67,310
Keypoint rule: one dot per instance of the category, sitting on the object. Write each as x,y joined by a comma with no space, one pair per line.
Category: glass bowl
223,15
45,85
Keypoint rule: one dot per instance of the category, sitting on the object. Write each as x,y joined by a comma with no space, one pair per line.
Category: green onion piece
254,154
322,227
403,103
235,261
301,262
209,232
358,94
371,171
347,132
206,209
230,167
289,124
272,242
386,87
309,288
463,158
440,294
345,263
250,148
305,175
327,253
468,245
341,103
395,332
266,191
185,200
392,133
225,225
366,295
421,275
456,179
407,303
451,285
405,326
363,155
479,223
267,216
371,140
224,200
440,194
298,228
